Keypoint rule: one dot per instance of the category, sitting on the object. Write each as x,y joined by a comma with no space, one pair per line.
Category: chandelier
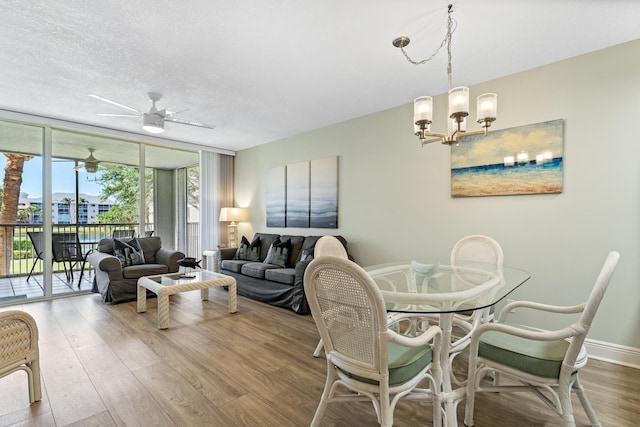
458,100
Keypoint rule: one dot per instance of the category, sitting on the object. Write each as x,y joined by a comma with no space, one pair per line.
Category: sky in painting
493,148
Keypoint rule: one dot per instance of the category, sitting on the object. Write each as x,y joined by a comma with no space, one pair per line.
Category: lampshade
233,214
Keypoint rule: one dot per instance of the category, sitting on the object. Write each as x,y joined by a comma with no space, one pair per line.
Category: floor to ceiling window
21,209
98,185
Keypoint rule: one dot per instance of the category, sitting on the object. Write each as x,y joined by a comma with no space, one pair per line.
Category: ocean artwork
303,194
324,193
521,160
276,197
298,195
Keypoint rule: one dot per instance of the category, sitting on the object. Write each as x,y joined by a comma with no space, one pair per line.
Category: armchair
118,283
19,349
364,357
542,361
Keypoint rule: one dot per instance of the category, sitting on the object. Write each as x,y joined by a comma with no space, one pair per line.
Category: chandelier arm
437,135
429,141
482,131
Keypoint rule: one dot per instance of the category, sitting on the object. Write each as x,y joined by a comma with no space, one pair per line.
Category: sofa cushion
129,253
256,269
248,251
234,265
150,245
281,275
138,271
279,253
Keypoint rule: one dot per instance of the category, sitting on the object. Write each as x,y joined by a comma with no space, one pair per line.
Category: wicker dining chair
19,349
328,246
365,359
474,249
546,363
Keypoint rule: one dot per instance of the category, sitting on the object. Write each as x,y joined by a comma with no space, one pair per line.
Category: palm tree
9,209
31,210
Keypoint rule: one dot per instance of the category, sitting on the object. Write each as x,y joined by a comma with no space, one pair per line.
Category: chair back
349,312
37,240
591,307
66,247
329,245
477,248
123,234
18,338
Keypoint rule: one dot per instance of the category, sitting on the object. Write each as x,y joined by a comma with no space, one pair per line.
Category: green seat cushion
542,358
404,363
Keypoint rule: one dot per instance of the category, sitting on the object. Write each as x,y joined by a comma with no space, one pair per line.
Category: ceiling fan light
91,167
152,123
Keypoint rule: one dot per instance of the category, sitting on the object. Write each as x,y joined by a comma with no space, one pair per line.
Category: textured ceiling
262,70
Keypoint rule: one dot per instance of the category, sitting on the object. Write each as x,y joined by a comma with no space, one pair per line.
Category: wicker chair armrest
510,308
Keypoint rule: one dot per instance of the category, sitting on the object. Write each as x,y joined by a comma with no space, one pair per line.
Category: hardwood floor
106,365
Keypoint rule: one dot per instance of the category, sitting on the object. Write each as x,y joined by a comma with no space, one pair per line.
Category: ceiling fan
153,120
90,164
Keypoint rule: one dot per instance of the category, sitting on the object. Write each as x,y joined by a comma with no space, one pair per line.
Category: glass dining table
421,291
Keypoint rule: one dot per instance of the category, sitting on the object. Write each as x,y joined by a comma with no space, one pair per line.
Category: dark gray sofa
117,284
282,287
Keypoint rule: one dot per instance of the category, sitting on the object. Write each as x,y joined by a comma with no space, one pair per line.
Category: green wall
395,203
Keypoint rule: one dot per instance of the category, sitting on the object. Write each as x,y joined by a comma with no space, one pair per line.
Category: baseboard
613,353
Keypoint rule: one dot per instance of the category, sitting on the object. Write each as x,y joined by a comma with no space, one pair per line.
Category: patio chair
123,233
37,241
19,349
546,363
365,359
67,249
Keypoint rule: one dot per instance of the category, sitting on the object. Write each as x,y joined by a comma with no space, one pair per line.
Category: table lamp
233,216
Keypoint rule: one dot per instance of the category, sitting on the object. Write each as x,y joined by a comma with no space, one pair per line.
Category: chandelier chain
451,27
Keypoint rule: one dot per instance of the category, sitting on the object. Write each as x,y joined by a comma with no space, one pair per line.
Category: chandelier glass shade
458,97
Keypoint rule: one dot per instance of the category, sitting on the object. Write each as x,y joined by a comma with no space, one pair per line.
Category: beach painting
521,160
276,196
298,195
324,193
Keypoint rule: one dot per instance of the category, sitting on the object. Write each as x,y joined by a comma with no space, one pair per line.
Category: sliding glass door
72,188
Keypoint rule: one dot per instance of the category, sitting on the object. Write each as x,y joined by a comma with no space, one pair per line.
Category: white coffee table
164,285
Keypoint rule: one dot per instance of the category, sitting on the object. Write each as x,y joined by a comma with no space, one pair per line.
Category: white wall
395,203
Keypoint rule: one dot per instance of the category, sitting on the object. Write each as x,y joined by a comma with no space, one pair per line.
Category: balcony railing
19,261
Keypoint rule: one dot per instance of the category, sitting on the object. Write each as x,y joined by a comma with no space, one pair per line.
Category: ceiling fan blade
79,167
117,115
173,111
126,107
189,122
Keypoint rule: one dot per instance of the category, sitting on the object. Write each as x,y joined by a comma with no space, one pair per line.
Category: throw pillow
248,251
307,254
254,250
135,243
243,249
127,253
278,253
